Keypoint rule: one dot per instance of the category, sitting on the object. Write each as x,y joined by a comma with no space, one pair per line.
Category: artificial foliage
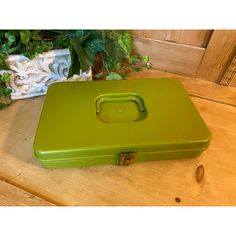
113,48
5,93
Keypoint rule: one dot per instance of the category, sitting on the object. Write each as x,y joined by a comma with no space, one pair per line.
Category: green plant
27,42
118,59
112,47
5,93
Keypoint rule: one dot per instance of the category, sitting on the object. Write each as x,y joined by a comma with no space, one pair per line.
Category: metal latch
127,158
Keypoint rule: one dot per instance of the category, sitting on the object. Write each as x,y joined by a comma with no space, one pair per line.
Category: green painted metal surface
91,123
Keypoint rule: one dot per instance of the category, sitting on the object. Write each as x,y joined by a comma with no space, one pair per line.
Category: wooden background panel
167,56
218,56
198,38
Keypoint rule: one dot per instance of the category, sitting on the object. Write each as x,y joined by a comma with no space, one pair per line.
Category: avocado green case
118,122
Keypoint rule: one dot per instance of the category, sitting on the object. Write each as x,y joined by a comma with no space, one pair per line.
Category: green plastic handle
119,99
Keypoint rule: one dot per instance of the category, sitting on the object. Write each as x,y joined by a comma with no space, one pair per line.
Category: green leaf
118,66
3,65
11,50
99,75
2,105
63,41
25,36
36,47
83,37
35,35
133,59
6,48
125,41
79,33
47,46
114,76
14,32
38,50
10,37
2,91
7,92
145,59
112,55
97,45
5,77
2,33
75,64
95,41
85,55
113,51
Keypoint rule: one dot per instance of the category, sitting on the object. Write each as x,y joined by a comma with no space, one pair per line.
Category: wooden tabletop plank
13,196
152,183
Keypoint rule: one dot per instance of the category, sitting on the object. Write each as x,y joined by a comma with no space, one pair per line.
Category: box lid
96,118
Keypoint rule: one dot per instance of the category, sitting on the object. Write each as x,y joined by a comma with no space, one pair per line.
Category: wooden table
25,182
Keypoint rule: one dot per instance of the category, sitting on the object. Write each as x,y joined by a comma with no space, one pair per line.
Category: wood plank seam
168,42
199,38
207,38
11,195
22,187
212,99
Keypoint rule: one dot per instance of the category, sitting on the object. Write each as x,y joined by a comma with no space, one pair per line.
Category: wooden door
202,54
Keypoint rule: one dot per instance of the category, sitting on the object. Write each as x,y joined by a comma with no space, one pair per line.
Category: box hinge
127,158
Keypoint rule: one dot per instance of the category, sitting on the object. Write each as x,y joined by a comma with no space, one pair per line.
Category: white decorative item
30,78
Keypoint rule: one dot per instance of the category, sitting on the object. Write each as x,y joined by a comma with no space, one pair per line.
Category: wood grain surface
169,56
176,182
229,77
13,196
195,87
199,38
218,55
233,81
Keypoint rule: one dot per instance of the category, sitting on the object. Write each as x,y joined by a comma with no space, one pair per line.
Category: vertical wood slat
233,81
230,74
199,38
218,55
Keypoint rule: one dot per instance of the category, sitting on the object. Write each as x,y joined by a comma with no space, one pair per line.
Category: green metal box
118,122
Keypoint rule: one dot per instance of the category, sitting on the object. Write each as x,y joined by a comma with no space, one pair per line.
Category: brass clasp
127,158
